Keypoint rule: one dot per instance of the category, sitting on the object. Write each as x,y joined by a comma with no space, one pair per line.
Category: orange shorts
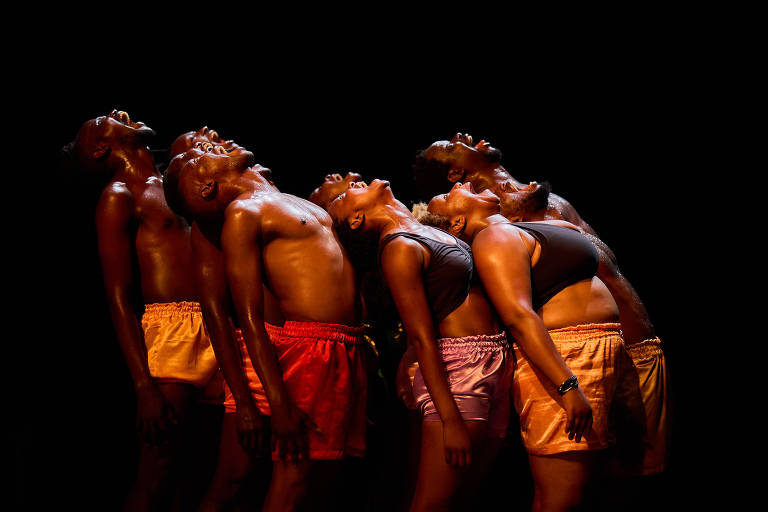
324,374
591,352
643,410
178,346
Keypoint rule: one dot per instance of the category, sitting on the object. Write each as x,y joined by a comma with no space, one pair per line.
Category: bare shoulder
562,224
116,204
303,207
400,251
244,213
561,203
567,212
501,234
501,247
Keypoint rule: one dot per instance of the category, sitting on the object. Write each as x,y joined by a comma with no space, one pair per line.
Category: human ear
209,190
455,175
101,151
457,225
356,220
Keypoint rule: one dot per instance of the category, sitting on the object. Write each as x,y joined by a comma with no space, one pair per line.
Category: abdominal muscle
584,302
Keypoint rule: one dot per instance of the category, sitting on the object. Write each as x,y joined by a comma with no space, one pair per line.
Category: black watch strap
568,385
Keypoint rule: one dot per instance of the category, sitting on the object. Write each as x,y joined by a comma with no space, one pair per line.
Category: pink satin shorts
480,376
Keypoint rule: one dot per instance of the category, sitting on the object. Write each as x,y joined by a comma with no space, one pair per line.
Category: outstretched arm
212,290
402,261
503,264
114,227
241,241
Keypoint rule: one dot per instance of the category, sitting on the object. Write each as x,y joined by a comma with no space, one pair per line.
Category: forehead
195,163
437,148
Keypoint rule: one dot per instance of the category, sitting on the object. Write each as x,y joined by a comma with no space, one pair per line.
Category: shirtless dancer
167,350
458,160
332,187
190,139
242,472
310,367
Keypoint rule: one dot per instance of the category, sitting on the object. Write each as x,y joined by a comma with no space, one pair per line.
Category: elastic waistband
326,331
171,308
585,331
481,342
646,349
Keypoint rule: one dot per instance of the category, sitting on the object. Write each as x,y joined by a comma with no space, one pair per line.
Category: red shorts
324,374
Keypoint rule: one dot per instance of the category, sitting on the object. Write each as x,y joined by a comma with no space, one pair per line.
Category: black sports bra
448,277
567,257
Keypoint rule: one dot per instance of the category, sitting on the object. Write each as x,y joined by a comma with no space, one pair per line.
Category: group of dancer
253,299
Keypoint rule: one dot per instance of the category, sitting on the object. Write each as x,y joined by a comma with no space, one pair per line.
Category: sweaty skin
504,257
135,224
244,433
476,165
191,139
286,244
134,220
332,187
451,444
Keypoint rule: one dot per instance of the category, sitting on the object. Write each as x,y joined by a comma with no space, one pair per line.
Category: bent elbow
520,319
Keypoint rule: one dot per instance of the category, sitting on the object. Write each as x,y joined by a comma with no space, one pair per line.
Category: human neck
481,219
391,217
133,165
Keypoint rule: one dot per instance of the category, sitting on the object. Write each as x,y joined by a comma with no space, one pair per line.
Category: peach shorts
178,346
591,351
479,374
643,409
324,374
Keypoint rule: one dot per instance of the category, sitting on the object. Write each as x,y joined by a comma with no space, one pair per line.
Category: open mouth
124,118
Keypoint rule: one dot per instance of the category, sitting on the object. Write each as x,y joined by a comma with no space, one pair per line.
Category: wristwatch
568,385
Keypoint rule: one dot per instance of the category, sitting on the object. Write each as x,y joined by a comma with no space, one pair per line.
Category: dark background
624,139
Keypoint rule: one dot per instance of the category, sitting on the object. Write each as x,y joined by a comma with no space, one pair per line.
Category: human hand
458,446
154,415
579,414
290,427
251,427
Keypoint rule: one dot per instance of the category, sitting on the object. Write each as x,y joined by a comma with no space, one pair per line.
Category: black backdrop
623,145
